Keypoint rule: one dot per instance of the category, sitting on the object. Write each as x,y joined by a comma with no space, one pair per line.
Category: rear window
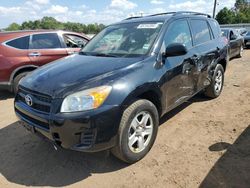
20,43
201,31
45,41
215,28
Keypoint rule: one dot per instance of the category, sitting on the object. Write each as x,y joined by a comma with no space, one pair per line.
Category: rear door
13,54
74,43
207,47
45,47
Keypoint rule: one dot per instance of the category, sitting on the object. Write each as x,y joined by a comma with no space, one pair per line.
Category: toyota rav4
112,94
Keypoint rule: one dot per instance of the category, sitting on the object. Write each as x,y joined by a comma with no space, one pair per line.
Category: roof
7,35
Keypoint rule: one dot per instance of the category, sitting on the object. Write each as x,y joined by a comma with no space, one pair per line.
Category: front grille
32,120
41,102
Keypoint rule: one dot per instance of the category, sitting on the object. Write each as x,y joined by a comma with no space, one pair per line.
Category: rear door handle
34,54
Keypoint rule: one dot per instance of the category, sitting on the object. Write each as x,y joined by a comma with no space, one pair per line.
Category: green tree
52,23
225,16
240,13
13,27
241,4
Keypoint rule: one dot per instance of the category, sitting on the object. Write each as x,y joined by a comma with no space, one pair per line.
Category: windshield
248,34
124,40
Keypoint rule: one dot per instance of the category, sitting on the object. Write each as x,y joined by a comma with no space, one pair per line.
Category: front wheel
216,86
137,131
16,81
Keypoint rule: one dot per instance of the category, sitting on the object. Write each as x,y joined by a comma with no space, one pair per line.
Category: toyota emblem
28,100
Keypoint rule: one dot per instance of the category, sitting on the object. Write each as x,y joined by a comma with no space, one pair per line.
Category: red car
24,51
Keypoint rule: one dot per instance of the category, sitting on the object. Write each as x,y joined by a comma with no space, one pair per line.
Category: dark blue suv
112,94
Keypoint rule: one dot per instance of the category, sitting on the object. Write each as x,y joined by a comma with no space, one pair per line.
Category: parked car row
247,39
112,93
235,42
24,51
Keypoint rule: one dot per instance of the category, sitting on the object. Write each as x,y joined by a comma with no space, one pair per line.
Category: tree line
52,23
240,13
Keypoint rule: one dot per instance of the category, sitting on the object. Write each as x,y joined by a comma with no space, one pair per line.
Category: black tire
240,52
211,89
122,149
17,80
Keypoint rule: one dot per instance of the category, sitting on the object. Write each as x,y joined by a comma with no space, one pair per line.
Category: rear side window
45,41
20,43
178,32
215,28
200,31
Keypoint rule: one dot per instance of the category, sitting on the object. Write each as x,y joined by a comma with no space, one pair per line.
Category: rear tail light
225,40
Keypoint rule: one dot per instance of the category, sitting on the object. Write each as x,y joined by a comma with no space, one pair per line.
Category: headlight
86,100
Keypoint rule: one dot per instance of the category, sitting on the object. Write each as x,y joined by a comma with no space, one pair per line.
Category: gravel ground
203,143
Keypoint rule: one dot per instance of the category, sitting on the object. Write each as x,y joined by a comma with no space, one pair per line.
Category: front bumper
5,86
88,131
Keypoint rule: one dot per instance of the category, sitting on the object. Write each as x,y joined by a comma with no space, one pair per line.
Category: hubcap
140,132
218,81
241,50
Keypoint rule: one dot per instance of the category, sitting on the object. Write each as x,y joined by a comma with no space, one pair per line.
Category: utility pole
214,12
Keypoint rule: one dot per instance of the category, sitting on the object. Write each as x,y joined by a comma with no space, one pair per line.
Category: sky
97,11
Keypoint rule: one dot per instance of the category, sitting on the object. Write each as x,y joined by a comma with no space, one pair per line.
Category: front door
179,72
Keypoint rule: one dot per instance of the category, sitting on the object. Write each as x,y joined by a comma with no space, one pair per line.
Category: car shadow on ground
4,95
233,168
27,160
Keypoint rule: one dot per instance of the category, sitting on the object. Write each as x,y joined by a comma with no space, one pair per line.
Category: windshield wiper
104,55
97,54
84,53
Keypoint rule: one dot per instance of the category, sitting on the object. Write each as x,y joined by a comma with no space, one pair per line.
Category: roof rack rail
163,13
173,13
192,13
133,17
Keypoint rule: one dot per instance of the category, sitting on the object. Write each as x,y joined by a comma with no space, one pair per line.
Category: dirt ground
203,143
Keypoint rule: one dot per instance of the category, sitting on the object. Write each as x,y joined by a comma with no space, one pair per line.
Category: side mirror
233,37
175,49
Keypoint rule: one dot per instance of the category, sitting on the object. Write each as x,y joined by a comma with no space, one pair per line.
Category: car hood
75,72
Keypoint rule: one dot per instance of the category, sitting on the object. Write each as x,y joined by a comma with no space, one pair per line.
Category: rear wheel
17,80
216,86
241,51
137,131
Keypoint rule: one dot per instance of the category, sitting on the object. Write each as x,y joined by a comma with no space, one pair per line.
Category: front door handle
34,54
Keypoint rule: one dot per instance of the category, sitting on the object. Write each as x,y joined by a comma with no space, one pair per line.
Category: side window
201,31
45,41
20,43
215,28
74,41
178,32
